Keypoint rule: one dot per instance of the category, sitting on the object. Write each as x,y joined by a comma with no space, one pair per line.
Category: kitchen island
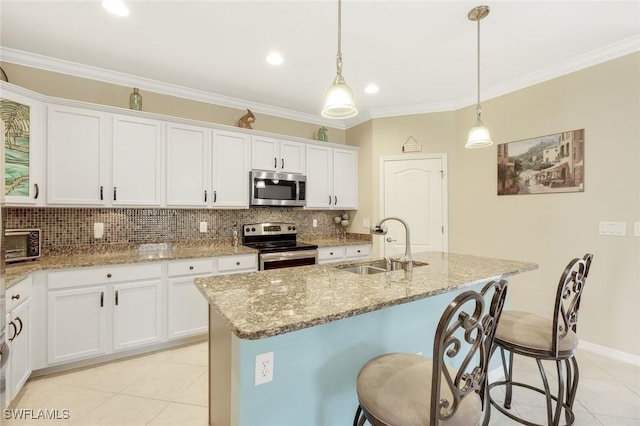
322,324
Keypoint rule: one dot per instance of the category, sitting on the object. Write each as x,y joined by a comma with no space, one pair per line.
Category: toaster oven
21,244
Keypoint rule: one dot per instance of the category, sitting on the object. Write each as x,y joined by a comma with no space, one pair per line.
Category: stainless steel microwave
277,189
21,244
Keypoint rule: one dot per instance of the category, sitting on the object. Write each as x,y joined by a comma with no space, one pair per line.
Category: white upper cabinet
187,165
345,179
230,169
332,178
277,155
137,161
24,121
78,156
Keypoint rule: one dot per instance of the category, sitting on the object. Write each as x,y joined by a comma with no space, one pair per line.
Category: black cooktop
280,246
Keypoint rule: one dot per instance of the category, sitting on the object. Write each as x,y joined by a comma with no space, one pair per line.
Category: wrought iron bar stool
543,339
407,389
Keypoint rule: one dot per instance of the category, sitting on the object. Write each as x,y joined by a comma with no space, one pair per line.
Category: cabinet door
137,315
137,153
77,156
77,324
264,153
20,350
319,178
345,179
187,309
292,155
230,169
187,165
24,141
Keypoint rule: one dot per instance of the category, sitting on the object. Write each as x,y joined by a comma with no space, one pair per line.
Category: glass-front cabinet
24,132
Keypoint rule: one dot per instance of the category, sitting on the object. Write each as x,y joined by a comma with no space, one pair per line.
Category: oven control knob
288,228
253,229
247,230
293,228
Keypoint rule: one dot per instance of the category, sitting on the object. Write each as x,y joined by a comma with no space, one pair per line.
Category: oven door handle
289,255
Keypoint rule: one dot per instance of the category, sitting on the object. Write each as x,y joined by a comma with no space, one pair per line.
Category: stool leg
573,376
547,392
356,419
508,377
561,389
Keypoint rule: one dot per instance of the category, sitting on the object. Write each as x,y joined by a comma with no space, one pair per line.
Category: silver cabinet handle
329,199
115,193
102,299
215,196
116,297
283,163
101,192
389,240
335,203
275,163
205,195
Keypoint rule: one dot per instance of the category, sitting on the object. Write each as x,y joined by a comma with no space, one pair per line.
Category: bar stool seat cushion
395,389
533,333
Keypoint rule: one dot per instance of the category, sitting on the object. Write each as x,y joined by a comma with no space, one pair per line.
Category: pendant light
339,101
478,135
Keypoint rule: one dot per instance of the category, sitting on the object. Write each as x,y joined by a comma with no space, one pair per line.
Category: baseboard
610,353
496,374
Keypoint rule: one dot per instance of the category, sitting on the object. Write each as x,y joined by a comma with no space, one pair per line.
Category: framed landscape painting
542,165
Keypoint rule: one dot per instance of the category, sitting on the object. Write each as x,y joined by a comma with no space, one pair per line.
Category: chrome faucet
405,260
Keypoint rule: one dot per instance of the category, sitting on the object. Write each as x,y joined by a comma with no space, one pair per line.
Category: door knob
389,239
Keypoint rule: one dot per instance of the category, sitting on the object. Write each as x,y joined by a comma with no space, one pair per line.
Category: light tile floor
170,388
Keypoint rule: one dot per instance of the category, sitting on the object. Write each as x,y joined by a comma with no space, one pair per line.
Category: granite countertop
262,304
112,254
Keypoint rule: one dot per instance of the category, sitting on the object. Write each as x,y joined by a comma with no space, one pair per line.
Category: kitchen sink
376,266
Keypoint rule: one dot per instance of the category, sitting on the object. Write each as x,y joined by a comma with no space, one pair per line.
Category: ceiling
422,54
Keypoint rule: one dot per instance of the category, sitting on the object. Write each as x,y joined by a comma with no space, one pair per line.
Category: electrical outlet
618,229
264,368
365,223
203,227
315,223
98,230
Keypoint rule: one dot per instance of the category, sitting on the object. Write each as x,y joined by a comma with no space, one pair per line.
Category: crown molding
606,53
47,63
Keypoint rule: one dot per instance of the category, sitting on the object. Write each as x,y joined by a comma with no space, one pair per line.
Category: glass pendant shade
339,101
479,136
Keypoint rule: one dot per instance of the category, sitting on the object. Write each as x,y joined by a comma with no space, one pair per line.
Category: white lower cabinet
96,311
343,253
18,336
137,314
77,324
187,309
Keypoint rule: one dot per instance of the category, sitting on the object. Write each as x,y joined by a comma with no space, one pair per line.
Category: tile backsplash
74,226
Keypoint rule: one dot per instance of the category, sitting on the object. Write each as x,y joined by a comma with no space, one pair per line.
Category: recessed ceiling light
372,88
274,58
117,7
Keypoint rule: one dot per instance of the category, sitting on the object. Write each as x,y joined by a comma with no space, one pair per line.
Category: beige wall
97,92
548,229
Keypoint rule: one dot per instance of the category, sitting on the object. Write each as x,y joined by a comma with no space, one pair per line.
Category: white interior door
415,190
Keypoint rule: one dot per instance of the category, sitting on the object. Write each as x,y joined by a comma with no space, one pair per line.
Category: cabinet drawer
19,293
191,267
328,254
237,263
358,251
103,275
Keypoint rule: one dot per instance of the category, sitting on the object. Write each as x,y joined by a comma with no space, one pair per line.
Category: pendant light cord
478,108
339,55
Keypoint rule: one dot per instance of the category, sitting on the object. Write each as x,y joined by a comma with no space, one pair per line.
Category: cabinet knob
358,251
330,253
108,275
191,268
15,297
238,263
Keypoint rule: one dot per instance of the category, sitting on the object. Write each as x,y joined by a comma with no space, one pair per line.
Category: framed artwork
542,165
16,118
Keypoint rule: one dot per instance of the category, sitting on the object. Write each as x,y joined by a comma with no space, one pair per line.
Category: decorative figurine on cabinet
322,134
246,120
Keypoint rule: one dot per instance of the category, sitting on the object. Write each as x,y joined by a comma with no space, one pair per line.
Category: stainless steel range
277,245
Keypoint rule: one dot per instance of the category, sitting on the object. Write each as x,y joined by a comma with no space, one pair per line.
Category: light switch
203,227
618,229
98,230
315,223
